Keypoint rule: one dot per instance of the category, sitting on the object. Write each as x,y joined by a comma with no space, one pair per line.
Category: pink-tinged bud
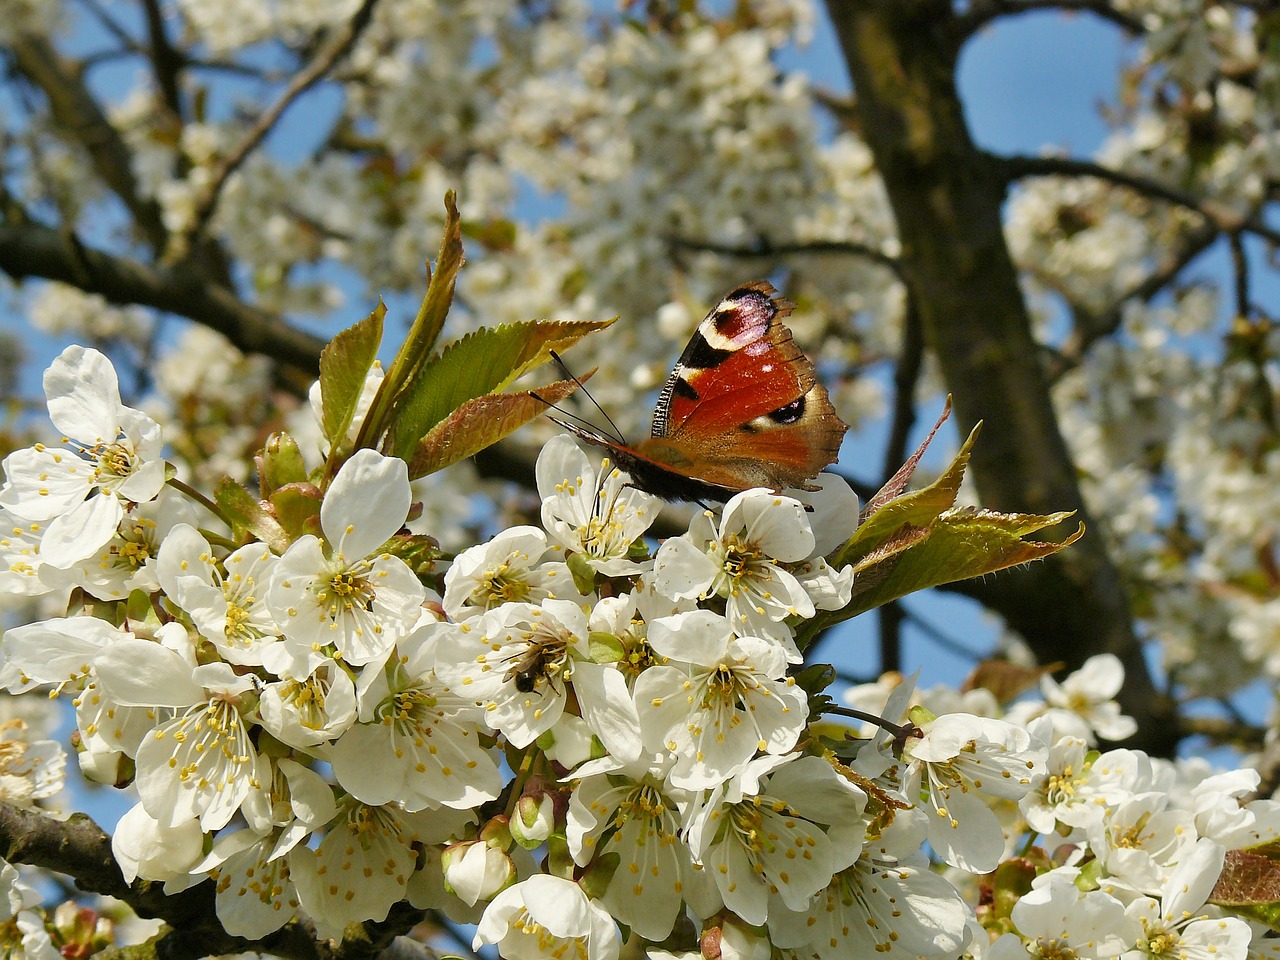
534,821
741,942
475,871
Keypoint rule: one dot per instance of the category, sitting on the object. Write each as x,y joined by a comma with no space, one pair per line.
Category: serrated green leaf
480,422
479,364
344,364
916,509
247,515
958,545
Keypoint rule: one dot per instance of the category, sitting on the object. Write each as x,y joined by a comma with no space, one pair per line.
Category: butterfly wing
743,406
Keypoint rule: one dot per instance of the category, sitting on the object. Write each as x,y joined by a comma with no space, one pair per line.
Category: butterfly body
742,408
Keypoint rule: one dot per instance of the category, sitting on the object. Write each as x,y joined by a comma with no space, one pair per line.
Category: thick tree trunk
946,197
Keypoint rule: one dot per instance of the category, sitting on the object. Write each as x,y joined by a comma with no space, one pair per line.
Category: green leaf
480,422
344,365
246,514
959,545
480,363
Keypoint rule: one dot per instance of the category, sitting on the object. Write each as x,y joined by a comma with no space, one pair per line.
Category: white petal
83,395
608,708
82,532
366,503
140,673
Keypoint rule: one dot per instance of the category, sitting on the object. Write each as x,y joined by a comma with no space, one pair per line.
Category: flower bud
475,871
741,942
534,820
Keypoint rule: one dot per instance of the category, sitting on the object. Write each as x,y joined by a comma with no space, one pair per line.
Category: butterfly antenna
617,434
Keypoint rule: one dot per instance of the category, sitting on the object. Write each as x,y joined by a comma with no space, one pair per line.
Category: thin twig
1092,327
1240,274
983,12
905,377
112,26
324,61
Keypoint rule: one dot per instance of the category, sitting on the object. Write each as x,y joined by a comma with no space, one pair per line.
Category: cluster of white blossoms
323,734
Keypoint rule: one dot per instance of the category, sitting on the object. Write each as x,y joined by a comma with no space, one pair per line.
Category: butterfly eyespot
790,413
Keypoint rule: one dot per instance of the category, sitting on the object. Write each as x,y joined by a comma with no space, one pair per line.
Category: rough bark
946,195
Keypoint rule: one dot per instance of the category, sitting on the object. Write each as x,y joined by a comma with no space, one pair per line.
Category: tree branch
75,110
983,12
325,59
30,249
79,848
1222,217
766,248
166,60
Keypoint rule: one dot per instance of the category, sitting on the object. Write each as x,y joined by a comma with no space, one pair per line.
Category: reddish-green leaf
961,544
422,336
916,509
480,363
344,364
480,422
1250,885
898,482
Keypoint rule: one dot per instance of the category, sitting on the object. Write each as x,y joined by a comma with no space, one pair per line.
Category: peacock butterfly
742,408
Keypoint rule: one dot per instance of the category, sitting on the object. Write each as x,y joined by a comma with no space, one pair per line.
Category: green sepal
596,878
417,550
296,505
584,575
248,516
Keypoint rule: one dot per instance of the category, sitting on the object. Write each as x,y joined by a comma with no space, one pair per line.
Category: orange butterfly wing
743,406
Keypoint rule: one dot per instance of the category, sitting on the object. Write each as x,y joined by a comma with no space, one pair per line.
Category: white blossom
546,916
344,594
718,700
